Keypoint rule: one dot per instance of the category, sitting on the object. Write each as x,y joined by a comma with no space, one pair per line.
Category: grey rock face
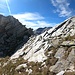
12,33
60,53
64,64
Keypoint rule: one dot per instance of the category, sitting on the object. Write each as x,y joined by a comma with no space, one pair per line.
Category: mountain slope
55,48
62,30
50,53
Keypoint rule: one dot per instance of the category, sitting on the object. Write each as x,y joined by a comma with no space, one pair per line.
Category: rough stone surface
64,64
60,53
12,33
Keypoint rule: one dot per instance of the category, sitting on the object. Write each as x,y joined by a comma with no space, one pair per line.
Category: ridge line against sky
33,20
38,13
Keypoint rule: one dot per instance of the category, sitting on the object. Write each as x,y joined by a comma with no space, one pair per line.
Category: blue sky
38,13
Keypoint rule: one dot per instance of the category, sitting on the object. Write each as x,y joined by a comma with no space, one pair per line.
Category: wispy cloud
29,16
34,20
3,1
62,7
4,7
7,1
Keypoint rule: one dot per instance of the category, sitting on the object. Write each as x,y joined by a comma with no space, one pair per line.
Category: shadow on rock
13,35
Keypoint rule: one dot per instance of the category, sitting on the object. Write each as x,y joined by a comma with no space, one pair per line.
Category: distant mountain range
41,30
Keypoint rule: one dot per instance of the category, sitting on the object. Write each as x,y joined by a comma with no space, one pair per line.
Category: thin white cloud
3,1
7,3
4,7
62,7
37,24
2,13
33,20
29,16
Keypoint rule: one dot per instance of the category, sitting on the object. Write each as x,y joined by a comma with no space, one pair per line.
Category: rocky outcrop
12,34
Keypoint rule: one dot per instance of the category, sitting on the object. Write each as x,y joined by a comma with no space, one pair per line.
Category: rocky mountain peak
55,48
12,34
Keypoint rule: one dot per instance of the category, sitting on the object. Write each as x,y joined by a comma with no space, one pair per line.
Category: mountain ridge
37,46
12,33
41,30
